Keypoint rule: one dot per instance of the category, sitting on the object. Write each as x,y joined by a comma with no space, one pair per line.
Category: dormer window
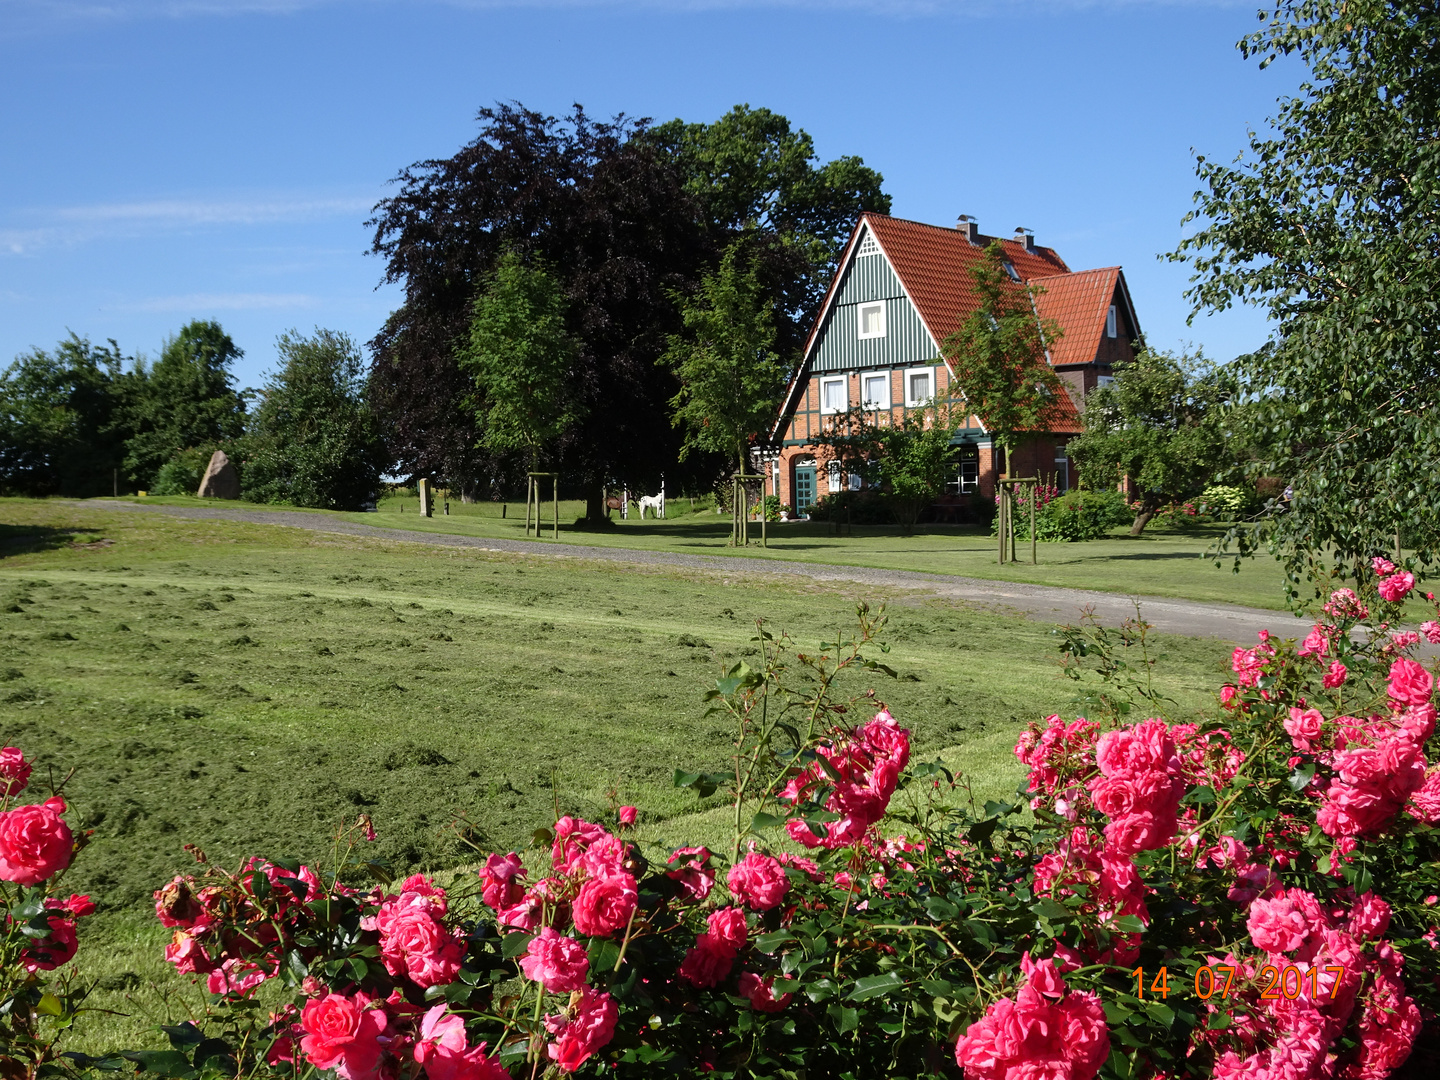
872,320
1110,322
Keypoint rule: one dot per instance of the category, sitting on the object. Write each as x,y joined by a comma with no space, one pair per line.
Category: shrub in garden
1250,896
1075,515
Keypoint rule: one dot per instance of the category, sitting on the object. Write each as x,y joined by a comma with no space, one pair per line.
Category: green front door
804,489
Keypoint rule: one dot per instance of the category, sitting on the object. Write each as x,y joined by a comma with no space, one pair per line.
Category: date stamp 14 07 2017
1289,981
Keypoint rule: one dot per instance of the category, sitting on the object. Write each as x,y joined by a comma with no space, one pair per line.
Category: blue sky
174,159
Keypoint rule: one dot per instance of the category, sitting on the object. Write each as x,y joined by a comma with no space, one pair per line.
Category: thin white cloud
186,212
205,302
69,226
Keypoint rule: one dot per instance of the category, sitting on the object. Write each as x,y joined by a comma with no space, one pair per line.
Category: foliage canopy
998,356
1160,425
1329,223
731,377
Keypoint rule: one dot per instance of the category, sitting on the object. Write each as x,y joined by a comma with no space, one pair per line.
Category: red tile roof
934,265
1079,303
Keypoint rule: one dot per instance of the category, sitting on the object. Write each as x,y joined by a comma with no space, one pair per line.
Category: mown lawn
1168,560
249,689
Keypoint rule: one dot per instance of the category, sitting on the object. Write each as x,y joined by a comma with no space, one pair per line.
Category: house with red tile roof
901,289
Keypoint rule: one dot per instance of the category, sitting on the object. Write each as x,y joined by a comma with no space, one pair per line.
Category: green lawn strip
248,689
1167,561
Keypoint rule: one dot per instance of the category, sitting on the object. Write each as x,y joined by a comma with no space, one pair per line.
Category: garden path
1044,603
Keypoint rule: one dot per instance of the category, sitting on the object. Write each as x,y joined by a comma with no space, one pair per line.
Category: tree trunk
595,503
1149,504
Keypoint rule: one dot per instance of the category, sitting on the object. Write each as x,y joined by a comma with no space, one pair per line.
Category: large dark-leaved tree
609,213
1331,224
628,217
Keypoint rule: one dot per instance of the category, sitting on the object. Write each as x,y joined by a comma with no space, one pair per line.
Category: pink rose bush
1250,896
39,925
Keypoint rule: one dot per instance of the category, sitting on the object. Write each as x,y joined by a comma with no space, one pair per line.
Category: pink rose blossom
1369,917
762,997
1228,693
708,963
728,926
758,881
590,1029
557,962
1397,586
1283,924
14,772
1382,566
443,1050
1410,683
35,844
236,976
573,838
1045,1031
1334,675
1303,726
1431,629
694,874
500,881
413,943
627,815
1316,643
188,956
604,905
1425,803
343,1033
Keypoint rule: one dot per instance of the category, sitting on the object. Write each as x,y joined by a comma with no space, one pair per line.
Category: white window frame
914,402
845,394
834,478
881,402
860,310
1110,322
868,247
1102,381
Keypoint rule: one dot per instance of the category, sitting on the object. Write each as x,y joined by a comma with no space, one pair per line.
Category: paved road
1046,603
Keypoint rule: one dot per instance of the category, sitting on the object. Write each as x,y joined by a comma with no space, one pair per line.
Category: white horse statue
652,502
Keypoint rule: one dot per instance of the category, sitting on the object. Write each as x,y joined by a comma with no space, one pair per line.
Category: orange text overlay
1289,981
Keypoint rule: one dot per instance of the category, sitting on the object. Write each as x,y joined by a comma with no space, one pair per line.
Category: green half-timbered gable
868,278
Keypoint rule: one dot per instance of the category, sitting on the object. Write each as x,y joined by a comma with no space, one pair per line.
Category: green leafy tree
909,461
754,175
1161,426
731,377
1331,224
522,360
313,439
186,400
998,357
61,431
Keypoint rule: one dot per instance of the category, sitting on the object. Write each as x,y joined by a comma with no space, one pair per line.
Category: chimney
969,228
1025,236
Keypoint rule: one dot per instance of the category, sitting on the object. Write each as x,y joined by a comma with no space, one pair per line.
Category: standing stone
220,481
425,497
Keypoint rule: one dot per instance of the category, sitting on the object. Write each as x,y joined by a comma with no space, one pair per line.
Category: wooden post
1000,513
1034,494
423,487
555,505
764,507
529,491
